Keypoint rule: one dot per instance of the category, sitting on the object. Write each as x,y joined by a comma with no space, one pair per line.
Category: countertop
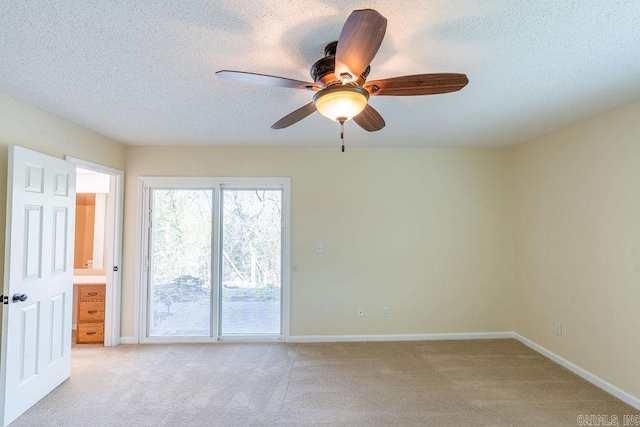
89,280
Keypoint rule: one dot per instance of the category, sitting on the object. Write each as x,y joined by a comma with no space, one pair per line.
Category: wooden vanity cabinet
90,316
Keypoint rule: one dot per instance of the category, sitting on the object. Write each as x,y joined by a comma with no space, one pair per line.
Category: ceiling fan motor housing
322,72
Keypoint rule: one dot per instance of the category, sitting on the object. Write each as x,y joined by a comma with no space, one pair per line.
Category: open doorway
89,264
97,254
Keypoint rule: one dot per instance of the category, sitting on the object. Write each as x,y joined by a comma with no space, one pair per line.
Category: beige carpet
425,383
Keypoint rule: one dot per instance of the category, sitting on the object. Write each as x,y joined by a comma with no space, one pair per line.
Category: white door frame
113,258
142,263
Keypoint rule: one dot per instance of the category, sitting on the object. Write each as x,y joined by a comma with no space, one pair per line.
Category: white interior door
38,287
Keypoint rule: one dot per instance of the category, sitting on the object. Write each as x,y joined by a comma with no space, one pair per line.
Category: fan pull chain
342,120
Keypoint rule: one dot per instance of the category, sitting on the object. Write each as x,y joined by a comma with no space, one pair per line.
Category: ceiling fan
340,78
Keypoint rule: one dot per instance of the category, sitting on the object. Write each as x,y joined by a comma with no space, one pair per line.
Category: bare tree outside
251,241
251,265
181,253
181,233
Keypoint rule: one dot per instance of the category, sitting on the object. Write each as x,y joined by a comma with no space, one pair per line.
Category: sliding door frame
145,185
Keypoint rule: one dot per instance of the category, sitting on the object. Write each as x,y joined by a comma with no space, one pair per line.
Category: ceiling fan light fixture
341,101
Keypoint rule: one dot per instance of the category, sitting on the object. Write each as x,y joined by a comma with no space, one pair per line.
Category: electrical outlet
385,311
360,311
558,329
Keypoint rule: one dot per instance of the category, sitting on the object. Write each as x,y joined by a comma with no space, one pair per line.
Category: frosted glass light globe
341,101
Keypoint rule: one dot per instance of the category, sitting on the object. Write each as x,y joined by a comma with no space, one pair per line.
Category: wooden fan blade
294,117
359,42
266,80
369,120
419,84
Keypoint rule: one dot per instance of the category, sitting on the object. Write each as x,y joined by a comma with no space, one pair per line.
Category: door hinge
115,268
4,300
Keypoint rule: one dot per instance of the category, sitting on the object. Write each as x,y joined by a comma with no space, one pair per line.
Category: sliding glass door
251,292
181,232
214,255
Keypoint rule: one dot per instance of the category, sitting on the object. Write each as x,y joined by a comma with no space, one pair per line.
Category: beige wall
29,127
577,233
426,232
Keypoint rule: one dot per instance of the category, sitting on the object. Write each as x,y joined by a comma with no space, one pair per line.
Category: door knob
19,297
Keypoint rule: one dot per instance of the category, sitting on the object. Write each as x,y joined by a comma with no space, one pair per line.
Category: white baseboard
593,379
400,337
128,340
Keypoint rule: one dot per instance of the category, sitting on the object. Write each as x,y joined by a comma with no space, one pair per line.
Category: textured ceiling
142,72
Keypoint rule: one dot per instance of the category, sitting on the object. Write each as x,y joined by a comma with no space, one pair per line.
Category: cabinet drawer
91,292
90,333
91,312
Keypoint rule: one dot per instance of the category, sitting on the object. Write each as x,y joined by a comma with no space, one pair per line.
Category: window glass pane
251,261
180,273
